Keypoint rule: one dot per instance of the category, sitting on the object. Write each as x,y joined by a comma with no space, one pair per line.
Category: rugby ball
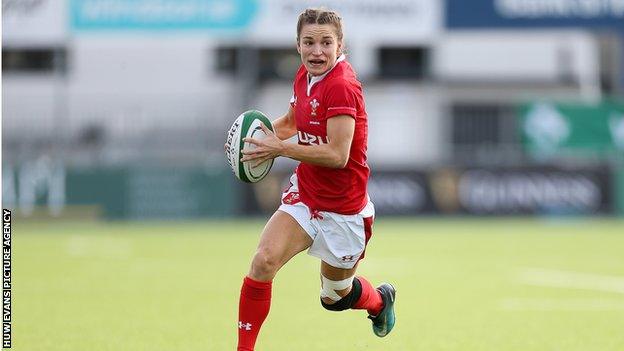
247,125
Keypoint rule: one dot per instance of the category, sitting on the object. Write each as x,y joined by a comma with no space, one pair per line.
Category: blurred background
119,109
496,146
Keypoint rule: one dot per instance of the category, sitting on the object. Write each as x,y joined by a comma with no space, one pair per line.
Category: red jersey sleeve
298,76
341,99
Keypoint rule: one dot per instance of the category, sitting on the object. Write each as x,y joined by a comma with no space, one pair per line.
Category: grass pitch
462,284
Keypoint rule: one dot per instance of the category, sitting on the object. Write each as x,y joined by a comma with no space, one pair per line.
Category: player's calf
330,299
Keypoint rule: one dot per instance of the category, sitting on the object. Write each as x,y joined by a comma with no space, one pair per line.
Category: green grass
463,284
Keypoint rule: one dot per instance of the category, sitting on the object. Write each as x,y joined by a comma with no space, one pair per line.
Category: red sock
370,299
253,308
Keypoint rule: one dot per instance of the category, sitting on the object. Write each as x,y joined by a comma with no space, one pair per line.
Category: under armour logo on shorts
348,258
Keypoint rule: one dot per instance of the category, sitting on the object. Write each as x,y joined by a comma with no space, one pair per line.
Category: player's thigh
283,238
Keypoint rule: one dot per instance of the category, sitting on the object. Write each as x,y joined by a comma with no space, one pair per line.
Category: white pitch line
572,280
564,304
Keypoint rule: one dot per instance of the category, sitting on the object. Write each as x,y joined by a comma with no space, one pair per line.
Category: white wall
147,81
34,23
540,56
30,105
406,125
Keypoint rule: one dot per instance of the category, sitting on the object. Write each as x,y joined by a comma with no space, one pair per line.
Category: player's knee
331,301
264,263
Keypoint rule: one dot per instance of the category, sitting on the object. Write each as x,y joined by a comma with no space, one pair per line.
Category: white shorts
339,240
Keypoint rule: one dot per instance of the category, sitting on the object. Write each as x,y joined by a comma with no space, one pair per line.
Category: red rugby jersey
337,92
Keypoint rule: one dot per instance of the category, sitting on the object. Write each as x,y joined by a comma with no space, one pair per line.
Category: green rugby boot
384,322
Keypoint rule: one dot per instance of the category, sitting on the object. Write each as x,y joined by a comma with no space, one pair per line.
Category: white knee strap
330,286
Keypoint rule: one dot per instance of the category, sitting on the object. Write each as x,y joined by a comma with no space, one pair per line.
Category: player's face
319,47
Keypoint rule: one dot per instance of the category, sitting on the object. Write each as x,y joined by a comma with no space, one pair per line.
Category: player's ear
339,49
298,47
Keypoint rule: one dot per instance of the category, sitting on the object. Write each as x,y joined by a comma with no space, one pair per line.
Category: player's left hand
268,148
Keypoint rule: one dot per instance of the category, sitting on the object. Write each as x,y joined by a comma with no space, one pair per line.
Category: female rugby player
326,209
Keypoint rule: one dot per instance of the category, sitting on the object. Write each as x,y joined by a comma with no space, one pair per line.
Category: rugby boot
384,321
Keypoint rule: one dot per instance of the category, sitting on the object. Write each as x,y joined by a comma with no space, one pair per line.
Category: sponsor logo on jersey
309,139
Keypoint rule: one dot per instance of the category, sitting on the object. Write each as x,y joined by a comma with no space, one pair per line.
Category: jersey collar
314,80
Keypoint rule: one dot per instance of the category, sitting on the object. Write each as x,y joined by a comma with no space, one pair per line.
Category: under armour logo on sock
246,326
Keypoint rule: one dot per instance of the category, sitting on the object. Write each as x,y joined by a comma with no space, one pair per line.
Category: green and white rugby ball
247,125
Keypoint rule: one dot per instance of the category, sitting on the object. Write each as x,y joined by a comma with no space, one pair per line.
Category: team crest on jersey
314,105
291,198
